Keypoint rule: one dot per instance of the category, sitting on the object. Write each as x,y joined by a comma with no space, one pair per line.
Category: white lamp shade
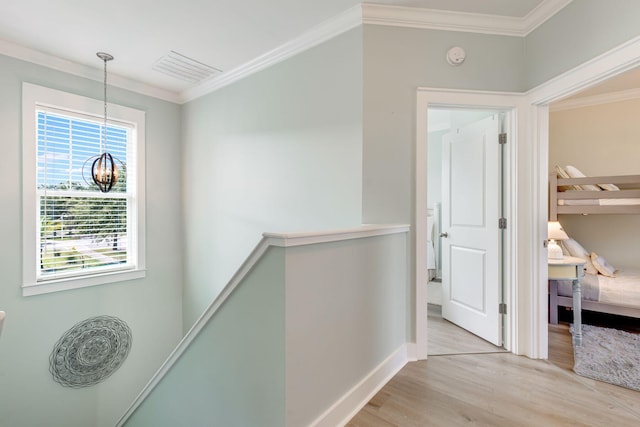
555,231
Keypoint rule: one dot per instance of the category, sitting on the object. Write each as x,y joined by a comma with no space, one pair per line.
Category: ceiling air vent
184,68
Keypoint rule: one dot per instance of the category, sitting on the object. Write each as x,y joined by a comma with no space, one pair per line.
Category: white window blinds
81,231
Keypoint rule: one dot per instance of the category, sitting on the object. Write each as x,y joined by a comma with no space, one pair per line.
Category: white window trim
34,96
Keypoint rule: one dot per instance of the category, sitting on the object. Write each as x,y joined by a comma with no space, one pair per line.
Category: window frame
33,98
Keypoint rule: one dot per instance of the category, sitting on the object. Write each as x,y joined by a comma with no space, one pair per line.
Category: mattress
621,290
588,285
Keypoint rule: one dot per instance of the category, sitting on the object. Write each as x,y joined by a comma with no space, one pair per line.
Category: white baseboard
355,399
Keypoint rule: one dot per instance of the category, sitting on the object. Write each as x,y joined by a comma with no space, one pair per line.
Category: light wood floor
445,338
500,389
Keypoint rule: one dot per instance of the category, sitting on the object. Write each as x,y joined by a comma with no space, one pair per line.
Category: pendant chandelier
104,171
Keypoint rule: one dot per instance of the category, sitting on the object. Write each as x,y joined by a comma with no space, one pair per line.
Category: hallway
490,387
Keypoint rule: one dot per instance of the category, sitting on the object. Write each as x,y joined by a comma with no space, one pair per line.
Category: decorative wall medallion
90,351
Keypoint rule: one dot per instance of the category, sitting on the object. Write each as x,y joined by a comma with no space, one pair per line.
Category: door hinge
502,138
502,223
502,308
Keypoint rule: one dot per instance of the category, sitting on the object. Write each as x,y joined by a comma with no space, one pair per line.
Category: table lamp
555,232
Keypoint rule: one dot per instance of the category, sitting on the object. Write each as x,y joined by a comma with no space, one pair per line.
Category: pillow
563,174
575,249
575,173
603,266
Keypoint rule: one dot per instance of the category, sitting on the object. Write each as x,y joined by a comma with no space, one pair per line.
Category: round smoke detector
456,55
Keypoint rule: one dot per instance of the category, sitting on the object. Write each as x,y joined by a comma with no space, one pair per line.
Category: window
74,235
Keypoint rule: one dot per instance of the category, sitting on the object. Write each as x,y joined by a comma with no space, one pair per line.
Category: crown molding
367,13
411,17
542,13
590,101
363,13
13,50
327,30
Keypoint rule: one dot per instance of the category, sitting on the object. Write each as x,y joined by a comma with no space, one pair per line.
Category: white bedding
621,290
598,202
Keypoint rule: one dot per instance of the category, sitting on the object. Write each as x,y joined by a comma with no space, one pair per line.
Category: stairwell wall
280,150
150,306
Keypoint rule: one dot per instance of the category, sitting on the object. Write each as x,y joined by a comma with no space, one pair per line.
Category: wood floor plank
443,337
500,389
497,389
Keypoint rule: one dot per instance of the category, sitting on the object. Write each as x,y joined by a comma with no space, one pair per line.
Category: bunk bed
581,195
593,195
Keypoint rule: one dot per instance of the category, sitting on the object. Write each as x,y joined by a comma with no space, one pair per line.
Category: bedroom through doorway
594,133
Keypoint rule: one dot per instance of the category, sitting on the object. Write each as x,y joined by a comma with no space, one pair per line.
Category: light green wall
579,32
151,306
233,373
292,340
278,151
600,140
342,322
322,140
396,62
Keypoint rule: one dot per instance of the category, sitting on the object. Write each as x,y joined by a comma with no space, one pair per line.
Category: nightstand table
571,268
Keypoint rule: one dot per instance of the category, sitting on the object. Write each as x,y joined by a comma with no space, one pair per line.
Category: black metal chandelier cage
104,170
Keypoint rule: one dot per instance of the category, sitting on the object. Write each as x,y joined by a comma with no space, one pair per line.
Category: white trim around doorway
610,64
500,101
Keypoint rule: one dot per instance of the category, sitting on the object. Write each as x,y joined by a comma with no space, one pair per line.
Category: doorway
469,108
610,64
464,197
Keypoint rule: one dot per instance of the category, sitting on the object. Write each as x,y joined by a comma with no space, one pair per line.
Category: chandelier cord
104,171
104,129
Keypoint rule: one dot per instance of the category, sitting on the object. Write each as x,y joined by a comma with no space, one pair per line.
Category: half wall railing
309,327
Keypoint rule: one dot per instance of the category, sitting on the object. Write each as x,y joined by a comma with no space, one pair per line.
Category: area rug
608,355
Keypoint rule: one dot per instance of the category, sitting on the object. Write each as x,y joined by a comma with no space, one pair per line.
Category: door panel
474,261
471,207
467,173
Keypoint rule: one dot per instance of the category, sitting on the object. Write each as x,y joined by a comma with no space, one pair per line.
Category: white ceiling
224,34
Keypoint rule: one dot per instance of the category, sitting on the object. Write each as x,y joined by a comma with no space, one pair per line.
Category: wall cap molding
286,240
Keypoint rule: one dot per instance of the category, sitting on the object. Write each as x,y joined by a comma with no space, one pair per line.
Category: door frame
609,64
512,104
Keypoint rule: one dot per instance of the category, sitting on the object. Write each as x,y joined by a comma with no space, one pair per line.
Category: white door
471,208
